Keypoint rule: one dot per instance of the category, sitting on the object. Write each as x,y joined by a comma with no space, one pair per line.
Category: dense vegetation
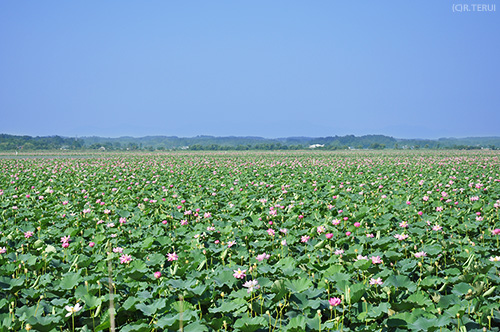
210,143
284,241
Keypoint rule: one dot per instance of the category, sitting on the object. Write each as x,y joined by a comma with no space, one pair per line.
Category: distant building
314,146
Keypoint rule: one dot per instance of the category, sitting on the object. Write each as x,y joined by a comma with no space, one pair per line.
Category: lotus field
284,241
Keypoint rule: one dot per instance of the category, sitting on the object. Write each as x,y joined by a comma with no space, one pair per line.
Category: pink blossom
207,215
3,250
401,237
164,222
263,256
420,254
172,257
420,213
118,250
270,231
239,274
329,235
122,220
65,239
334,301
65,245
335,221
157,274
496,231
348,233
376,260
360,257
377,281
231,243
370,235
301,217
91,244
339,252
437,228
125,259
320,229
357,224
28,234
304,238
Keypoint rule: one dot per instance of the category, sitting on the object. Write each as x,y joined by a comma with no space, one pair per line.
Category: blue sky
408,69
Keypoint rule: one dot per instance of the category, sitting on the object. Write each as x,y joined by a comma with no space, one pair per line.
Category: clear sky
408,69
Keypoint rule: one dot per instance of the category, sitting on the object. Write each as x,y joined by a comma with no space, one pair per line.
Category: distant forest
161,143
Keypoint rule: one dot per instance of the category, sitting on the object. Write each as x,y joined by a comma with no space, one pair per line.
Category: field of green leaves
296,241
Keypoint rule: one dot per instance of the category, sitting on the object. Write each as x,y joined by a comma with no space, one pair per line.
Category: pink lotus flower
270,231
304,238
339,252
377,281
118,250
125,259
239,274
335,221
437,228
157,274
496,231
28,234
91,244
420,254
360,257
357,224
3,250
401,237
329,235
65,245
172,257
376,260
231,243
251,285
263,256
320,229
334,301
122,220
348,233
65,239
370,235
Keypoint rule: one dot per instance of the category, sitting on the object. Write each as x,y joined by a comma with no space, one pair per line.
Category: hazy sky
409,69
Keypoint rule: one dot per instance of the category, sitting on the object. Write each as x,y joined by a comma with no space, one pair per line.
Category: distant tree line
13,142
210,143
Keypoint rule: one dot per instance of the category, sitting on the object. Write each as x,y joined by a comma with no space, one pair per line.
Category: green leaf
298,285
150,310
70,280
195,327
250,324
226,307
296,324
